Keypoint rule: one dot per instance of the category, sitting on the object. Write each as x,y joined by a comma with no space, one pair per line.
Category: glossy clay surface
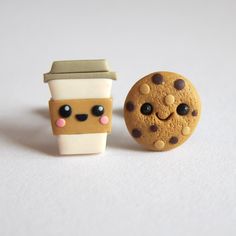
162,110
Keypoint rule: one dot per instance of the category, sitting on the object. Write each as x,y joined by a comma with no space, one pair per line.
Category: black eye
146,109
65,111
183,109
98,110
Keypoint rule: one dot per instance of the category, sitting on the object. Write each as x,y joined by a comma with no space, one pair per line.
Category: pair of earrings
161,110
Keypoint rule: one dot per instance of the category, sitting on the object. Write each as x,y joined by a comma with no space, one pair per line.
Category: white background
125,191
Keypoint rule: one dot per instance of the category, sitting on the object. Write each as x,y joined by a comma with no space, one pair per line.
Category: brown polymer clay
81,107
162,129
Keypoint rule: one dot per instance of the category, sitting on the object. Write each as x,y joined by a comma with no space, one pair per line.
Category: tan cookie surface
162,110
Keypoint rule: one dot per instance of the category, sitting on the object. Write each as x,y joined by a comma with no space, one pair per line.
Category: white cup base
81,143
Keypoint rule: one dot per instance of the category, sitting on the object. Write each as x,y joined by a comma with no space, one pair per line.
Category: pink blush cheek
60,123
104,120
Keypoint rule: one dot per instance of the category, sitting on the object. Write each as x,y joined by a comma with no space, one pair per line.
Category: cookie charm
162,110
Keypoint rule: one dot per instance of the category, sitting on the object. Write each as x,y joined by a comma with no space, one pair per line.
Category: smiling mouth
81,117
165,119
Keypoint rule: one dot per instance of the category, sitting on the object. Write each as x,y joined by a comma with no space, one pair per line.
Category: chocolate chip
195,113
179,84
129,106
136,133
153,128
157,79
173,140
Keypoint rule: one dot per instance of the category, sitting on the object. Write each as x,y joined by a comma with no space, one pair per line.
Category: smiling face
162,110
80,116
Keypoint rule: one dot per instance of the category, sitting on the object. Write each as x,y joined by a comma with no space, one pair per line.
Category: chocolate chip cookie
162,110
